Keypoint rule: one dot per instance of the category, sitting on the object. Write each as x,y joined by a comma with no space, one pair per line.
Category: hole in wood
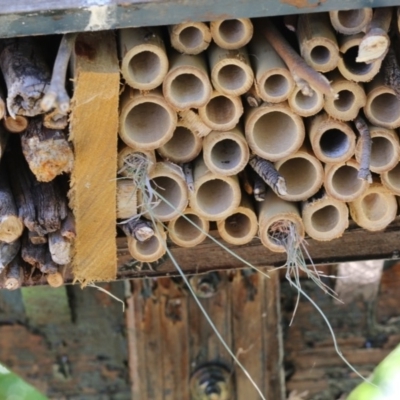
191,37
237,225
232,31
320,55
345,101
276,85
187,88
374,206
144,67
345,181
325,219
231,77
334,143
214,197
226,154
385,107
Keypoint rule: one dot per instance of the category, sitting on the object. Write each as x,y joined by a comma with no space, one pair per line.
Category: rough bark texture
14,274
68,226
391,72
33,254
55,119
138,228
7,252
364,173
60,248
260,188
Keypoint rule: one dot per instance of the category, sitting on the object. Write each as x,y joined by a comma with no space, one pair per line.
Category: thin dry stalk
138,228
364,172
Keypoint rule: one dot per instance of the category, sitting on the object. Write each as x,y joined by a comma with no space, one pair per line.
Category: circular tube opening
220,110
148,247
374,206
320,55
351,18
300,175
381,151
334,143
231,77
276,85
191,37
185,231
275,132
393,176
345,101
345,181
171,191
232,31
144,67
226,154
181,144
306,102
187,88
385,107
325,219
213,197
237,225
147,122
356,68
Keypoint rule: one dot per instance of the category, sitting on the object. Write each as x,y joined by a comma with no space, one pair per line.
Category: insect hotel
186,150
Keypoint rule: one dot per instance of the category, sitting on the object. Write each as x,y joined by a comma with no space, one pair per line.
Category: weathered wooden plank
20,18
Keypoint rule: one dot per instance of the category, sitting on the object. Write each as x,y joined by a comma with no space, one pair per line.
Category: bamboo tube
303,174
146,120
351,97
193,122
168,180
151,249
274,131
332,141
186,84
214,198
15,125
184,146
324,217
183,233
241,226
226,153
126,199
130,160
231,71
383,106
222,112
273,211
375,209
350,22
349,67
144,60
190,37
385,149
318,44
306,106
341,181
231,34
391,179
274,82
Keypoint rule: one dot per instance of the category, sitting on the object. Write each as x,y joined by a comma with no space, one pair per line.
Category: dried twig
364,173
138,228
260,188
391,72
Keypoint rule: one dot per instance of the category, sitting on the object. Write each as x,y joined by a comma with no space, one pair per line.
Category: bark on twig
7,252
364,173
260,188
269,174
246,182
139,229
60,248
188,172
36,238
14,274
55,119
68,226
33,254
391,72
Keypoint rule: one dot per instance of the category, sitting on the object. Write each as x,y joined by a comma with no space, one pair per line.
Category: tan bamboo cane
349,67
303,174
385,149
332,141
341,181
144,60
351,97
375,209
231,71
274,82
194,122
184,233
16,125
324,217
241,226
150,250
130,160
146,120
383,106
222,112
232,33
126,199
213,198
186,84
350,22
190,37
273,215
184,146
391,179
306,106
318,44
273,131
226,153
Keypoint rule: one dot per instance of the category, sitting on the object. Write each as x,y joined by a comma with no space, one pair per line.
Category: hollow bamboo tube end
306,106
16,125
273,216
375,209
332,141
146,121
350,22
391,179
241,226
131,161
214,198
190,37
303,175
150,250
385,149
232,34
183,233
274,131
222,112
275,86
342,183
126,199
226,153
325,218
